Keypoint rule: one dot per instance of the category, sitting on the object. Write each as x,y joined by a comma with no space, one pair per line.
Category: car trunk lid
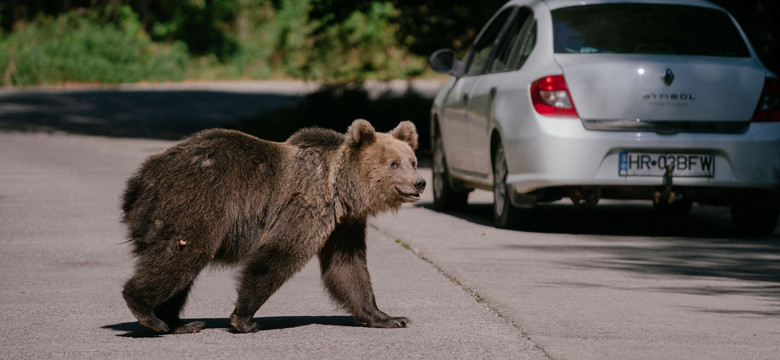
702,93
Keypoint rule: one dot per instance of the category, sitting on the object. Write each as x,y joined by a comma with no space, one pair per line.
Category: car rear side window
514,39
480,53
646,29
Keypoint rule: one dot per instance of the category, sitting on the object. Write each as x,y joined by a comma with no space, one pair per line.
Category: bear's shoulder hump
316,137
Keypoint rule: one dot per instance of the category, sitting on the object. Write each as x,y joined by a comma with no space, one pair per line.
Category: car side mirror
444,61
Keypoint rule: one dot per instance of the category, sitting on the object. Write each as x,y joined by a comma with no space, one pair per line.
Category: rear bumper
562,152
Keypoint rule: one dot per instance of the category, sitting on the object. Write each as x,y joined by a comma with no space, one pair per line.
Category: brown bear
225,197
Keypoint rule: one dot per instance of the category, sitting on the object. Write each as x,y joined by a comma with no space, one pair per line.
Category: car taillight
551,97
768,109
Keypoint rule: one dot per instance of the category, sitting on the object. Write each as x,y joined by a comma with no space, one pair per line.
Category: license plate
655,164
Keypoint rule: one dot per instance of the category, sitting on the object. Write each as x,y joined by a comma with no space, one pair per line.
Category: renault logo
668,77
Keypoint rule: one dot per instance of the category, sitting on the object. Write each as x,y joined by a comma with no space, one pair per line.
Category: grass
404,245
73,48
108,43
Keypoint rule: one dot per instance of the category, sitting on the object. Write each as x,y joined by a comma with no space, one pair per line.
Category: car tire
445,197
755,217
505,215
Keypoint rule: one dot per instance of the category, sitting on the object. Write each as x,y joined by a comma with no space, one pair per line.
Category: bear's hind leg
170,310
345,275
156,297
142,306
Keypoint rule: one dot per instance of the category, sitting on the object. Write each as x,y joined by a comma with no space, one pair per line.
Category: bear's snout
419,185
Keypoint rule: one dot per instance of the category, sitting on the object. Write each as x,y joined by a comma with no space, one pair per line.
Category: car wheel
754,217
445,197
505,215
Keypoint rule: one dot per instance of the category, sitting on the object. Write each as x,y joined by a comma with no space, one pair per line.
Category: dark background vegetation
340,43
47,41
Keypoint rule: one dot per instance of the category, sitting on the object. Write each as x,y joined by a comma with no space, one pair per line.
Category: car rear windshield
646,29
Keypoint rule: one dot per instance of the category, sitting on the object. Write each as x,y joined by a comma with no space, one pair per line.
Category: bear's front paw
392,322
243,325
153,323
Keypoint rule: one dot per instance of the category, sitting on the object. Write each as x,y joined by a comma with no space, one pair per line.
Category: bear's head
386,163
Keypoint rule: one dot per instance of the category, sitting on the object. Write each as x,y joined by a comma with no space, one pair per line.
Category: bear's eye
394,165
414,164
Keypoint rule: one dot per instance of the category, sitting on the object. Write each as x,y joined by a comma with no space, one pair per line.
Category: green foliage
72,48
428,25
135,40
331,41
290,29
361,46
205,26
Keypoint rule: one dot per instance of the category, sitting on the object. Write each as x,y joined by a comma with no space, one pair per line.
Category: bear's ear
361,133
406,132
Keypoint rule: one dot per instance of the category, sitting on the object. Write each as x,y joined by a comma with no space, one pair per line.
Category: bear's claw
154,324
393,322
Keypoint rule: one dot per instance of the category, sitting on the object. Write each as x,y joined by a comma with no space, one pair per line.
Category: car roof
555,4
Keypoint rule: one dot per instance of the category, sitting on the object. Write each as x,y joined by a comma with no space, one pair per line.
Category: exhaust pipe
584,196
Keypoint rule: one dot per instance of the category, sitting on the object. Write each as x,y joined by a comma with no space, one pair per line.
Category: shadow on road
619,219
745,267
136,330
702,244
170,114
173,114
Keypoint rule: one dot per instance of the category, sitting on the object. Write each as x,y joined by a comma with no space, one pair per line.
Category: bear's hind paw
189,328
243,325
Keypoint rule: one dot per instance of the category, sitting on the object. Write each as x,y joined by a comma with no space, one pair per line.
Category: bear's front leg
345,274
267,268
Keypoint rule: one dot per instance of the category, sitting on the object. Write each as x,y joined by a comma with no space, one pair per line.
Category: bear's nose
419,184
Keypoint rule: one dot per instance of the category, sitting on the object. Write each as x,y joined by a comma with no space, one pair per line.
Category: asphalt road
161,112
610,282
63,262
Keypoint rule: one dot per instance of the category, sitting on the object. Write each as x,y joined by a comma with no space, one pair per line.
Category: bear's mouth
409,197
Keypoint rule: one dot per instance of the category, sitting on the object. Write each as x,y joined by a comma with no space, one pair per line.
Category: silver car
587,99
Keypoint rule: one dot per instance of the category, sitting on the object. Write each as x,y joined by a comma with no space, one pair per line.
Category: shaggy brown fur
226,197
